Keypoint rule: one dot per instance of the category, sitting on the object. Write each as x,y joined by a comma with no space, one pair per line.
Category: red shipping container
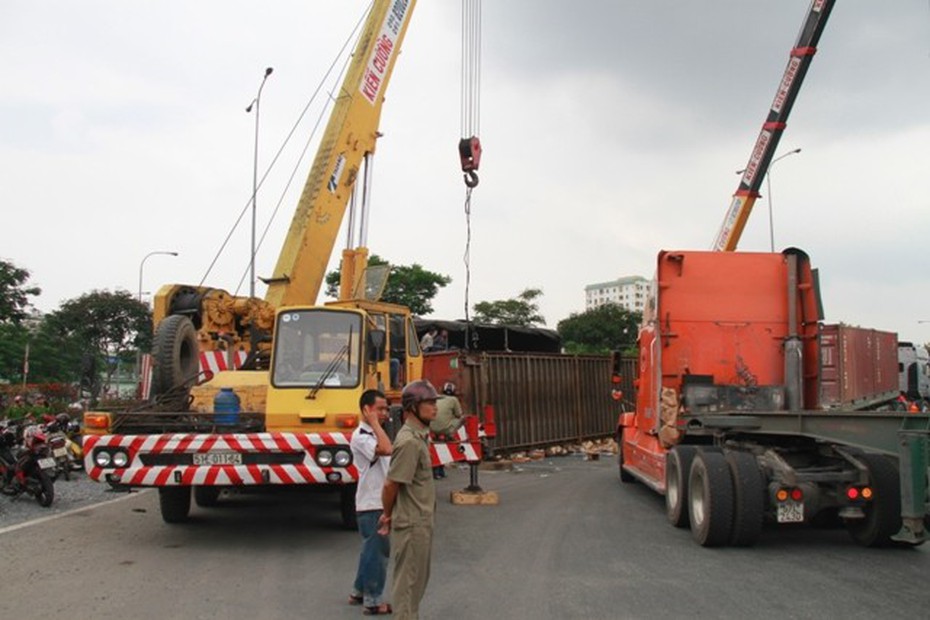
859,367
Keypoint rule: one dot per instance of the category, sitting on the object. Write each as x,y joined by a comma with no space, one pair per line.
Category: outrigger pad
474,498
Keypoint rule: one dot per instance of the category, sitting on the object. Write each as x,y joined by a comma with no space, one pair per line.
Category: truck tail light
855,493
796,494
348,420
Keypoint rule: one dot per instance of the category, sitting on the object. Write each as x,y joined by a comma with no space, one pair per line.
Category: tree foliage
14,294
407,285
107,327
602,329
522,310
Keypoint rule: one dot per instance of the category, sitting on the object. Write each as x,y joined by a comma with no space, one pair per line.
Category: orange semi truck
729,423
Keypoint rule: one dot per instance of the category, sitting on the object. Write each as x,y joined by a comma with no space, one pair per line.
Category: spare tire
175,355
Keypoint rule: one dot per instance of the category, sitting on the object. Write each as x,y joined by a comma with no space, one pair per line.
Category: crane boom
350,135
800,58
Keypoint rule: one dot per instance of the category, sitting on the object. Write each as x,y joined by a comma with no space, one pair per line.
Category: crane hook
471,179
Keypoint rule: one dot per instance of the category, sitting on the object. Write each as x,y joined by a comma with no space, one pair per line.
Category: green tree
108,327
14,294
407,285
600,330
523,310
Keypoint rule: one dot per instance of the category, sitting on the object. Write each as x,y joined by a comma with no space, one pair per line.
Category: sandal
355,600
378,610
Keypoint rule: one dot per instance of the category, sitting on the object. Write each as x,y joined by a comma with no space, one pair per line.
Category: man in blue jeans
371,453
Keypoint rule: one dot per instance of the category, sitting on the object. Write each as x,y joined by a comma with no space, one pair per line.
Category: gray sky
611,130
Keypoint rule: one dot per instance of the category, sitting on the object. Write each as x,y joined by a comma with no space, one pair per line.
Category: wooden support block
474,498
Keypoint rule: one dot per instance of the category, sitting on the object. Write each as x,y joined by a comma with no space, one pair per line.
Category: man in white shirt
371,453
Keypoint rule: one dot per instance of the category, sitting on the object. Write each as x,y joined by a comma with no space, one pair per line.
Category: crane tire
677,465
748,498
175,357
710,499
883,514
175,503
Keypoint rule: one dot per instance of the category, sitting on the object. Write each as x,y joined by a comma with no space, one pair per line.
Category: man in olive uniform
409,500
449,417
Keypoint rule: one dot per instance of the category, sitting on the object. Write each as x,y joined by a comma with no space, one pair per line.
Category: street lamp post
257,103
768,190
141,267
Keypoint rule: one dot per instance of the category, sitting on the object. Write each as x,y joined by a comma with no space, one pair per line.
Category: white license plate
47,463
790,512
60,452
218,458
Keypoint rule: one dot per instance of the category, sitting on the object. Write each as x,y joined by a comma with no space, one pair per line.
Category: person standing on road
449,418
409,500
371,453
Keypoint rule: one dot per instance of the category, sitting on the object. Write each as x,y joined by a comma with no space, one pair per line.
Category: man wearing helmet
409,499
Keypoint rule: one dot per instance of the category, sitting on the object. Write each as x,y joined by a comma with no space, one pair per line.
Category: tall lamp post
256,102
141,267
768,190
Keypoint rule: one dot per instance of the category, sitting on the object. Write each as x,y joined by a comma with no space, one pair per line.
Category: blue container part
226,406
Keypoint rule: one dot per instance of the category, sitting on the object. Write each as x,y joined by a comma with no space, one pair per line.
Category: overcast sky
611,130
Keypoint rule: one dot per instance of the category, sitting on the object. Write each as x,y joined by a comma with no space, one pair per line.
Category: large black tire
748,498
625,476
175,503
45,488
347,507
176,362
710,499
207,497
677,466
883,514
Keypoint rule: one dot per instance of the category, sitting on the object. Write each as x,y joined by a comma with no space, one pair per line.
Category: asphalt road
567,541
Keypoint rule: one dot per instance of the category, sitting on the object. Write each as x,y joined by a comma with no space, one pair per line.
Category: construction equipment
286,416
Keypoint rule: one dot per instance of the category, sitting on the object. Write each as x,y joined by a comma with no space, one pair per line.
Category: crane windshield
317,348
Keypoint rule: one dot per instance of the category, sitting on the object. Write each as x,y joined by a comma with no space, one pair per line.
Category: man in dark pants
409,500
371,453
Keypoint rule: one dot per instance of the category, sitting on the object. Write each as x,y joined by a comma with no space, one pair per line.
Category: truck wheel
207,497
347,507
748,498
710,499
883,514
677,465
175,503
175,354
624,476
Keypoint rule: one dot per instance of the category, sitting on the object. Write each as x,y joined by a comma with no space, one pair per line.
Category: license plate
47,463
60,452
218,458
790,512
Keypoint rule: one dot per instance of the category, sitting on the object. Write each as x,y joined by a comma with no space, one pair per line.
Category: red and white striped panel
138,474
460,449
211,362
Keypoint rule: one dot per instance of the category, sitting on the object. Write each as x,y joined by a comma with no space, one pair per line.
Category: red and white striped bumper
266,458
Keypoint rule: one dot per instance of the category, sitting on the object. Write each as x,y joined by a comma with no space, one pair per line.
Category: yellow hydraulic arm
350,136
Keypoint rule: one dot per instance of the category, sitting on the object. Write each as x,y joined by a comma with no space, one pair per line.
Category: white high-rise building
629,292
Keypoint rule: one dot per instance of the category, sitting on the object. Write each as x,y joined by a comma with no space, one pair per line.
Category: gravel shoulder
78,492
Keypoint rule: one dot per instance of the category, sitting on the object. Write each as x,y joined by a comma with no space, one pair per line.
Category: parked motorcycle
67,453
23,466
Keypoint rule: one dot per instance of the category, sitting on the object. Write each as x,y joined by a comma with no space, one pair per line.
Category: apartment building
629,292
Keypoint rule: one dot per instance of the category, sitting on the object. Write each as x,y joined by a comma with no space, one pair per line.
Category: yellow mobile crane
292,408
